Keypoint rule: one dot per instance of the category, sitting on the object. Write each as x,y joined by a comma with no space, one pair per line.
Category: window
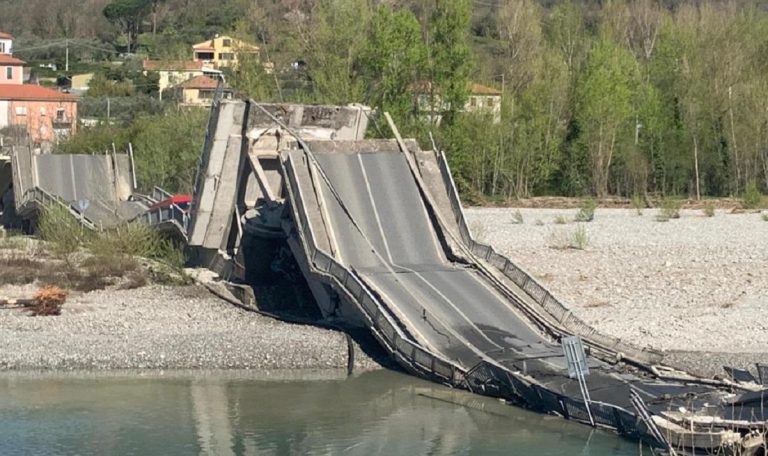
205,94
60,115
2,48
204,55
227,42
227,56
21,110
8,72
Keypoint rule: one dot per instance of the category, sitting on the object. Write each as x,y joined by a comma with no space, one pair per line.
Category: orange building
47,114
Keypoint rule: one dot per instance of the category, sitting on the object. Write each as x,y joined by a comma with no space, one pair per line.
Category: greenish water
225,413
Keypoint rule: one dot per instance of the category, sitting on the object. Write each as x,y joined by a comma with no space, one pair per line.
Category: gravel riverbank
160,327
693,284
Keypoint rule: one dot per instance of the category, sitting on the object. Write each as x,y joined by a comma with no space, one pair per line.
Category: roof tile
172,65
200,82
32,92
6,59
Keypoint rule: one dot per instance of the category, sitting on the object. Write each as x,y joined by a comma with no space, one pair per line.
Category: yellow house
199,91
172,72
484,99
222,51
80,82
481,99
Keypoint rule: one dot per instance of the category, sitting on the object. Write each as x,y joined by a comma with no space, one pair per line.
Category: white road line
375,210
392,262
72,174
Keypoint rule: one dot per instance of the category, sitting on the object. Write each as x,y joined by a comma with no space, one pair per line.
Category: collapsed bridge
378,231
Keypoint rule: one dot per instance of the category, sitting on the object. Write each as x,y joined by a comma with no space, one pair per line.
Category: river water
282,413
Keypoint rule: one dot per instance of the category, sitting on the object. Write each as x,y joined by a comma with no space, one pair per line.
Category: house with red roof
199,91
46,114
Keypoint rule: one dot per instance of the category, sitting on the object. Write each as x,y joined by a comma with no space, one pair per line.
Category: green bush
638,203
580,238
670,209
752,198
587,210
137,239
58,226
131,239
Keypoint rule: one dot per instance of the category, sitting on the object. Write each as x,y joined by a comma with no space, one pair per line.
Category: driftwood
47,301
15,303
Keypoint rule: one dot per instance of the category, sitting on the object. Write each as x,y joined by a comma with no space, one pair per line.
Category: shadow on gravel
280,290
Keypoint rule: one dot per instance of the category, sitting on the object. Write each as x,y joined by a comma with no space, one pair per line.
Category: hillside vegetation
600,98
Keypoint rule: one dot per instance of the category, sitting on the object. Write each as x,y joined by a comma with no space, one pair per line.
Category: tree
128,15
565,31
393,60
155,11
448,55
331,42
251,79
167,147
519,26
100,86
538,128
604,105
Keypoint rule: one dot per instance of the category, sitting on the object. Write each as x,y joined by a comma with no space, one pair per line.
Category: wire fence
540,295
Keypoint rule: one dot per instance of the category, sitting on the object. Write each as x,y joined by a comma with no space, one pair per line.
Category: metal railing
159,194
168,214
382,323
487,377
540,295
490,379
36,198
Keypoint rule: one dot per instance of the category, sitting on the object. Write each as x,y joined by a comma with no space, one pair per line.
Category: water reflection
244,414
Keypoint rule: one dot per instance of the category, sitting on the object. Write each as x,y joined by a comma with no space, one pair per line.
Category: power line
64,43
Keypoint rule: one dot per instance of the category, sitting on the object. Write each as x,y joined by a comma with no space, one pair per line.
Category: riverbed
272,413
695,286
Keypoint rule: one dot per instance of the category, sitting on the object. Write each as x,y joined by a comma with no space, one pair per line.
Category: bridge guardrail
159,194
42,198
382,323
171,214
492,380
525,281
486,377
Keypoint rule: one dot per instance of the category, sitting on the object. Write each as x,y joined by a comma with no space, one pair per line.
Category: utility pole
66,53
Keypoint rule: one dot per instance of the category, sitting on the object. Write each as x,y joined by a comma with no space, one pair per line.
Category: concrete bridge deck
35,180
377,229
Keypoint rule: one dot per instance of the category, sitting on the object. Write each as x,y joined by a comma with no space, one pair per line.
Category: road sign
575,356
578,368
83,204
